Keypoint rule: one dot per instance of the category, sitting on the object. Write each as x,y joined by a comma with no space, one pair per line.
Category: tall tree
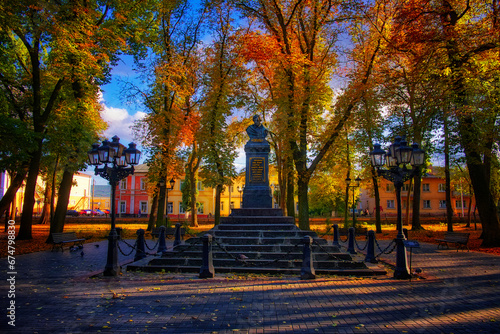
299,36
61,44
465,35
223,73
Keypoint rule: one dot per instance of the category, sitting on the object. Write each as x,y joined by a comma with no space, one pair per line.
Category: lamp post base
401,271
112,268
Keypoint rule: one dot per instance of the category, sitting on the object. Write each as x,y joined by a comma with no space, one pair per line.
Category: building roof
142,168
102,190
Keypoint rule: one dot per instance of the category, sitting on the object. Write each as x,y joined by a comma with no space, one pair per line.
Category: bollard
307,271
162,244
370,248
177,234
405,233
140,251
207,267
350,247
336,235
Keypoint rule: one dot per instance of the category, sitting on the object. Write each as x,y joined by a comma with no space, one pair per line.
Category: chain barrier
346,239
331,255
246,261
188,248
120,249
152,248
357,245
384,251
328,229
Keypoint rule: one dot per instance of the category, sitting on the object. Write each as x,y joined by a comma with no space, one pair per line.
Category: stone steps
270,244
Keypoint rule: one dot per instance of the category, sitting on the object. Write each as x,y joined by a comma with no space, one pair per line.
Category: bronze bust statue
257,130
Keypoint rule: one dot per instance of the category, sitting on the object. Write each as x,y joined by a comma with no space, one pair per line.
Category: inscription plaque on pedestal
257,169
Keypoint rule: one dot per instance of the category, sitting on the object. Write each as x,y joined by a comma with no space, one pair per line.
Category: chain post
140,252
307,271
207,268
350,247
336,235
370,251
162,245
177,234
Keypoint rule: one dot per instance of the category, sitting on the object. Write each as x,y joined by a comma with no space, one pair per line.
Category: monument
257,193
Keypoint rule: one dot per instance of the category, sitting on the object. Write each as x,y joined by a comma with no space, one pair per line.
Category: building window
170,208
390,204
200,208
181,208
442,204
458,204
123,206
406,186
200,186
427,204
143,206
426,187
442,187
389,187
221,205
123,184
143,183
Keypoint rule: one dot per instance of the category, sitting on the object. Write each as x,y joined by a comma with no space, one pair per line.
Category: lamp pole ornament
396,159
118,158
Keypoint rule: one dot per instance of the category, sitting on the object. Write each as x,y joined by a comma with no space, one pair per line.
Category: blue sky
120,115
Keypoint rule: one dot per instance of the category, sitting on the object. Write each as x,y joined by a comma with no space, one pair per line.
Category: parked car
106,211
88,212
73,213
84,212
99,212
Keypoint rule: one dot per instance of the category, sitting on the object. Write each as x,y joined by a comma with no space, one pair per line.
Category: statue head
256,120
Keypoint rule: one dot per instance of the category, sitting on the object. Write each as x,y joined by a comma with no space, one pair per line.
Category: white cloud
120,123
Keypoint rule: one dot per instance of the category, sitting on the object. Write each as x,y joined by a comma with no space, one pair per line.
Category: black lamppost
396,160
172,183
113,153
353,186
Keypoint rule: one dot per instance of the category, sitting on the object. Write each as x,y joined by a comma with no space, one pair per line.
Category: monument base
257,197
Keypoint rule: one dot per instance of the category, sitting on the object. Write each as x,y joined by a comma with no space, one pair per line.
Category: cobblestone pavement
54,293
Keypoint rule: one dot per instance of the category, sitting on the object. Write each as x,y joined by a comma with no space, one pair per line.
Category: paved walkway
54,293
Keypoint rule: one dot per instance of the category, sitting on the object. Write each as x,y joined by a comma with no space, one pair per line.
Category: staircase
258,241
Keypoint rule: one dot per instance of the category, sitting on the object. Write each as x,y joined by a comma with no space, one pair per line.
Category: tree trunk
16,180
449,209
152,216
302,186
193,199
161,205
290,191
53,194
408,196
415,221
46,213
57,224
218,190
376,210
29,195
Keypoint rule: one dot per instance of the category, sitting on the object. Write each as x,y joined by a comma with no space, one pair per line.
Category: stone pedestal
257,193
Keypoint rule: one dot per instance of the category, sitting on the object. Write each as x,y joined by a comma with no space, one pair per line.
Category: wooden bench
60,239
169,231
459,239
